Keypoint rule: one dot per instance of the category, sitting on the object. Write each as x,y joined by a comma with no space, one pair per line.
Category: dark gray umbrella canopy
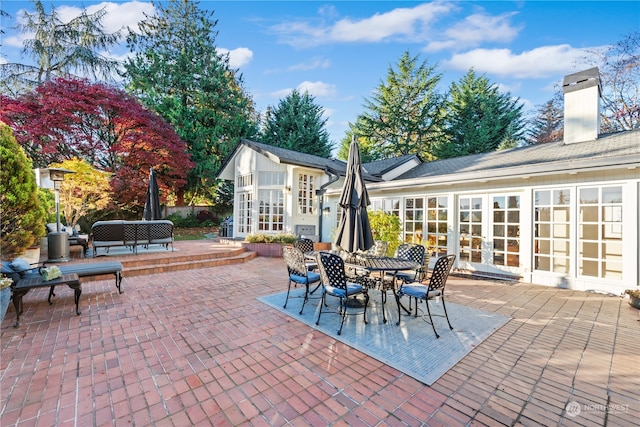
152,204
354,230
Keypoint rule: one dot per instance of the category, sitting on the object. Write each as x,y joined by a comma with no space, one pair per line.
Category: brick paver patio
196,348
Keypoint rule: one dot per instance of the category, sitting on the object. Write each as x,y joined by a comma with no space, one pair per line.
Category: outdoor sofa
131,234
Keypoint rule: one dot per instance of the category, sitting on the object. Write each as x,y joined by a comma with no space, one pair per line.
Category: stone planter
634,302
322,246
264,249
5,297
32,254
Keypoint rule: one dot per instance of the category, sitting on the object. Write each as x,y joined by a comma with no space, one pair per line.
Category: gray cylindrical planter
5,297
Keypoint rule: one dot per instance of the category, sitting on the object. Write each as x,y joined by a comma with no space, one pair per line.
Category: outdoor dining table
381,265
375,264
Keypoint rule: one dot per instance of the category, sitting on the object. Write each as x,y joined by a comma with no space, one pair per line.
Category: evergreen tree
548,123
297,124
479,119
404,116
60,49
367,147
178,72
22,217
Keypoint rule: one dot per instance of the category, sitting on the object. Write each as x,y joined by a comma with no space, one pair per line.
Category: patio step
179,260
164,265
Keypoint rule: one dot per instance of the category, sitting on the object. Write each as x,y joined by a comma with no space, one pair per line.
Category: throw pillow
20,265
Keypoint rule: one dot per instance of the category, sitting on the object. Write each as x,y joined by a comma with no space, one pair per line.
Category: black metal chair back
336,283
440,273
434,289
379,248
295,261
413,252
299,273
304,244
332,270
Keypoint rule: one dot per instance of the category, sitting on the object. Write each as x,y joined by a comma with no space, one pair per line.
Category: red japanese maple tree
67,118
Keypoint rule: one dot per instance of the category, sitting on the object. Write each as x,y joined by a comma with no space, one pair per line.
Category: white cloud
474,30
237,57
14,41
317,88
313,64
118,16
281,93
399,24
540,62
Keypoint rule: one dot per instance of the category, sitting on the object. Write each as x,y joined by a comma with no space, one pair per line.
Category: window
271,210
244,180
244,212
506,230
386,205
552,230
413,220
470,229
437,225
600,232
271,179
306,193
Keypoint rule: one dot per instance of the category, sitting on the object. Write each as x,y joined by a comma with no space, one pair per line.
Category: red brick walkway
196,348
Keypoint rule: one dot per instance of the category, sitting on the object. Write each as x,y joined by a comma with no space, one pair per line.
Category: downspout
320,193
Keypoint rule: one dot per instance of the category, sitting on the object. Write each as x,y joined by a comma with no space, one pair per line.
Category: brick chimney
581,106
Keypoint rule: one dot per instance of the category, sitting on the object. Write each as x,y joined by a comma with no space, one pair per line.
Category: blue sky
340,51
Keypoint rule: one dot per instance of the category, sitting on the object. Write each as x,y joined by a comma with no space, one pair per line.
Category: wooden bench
23,286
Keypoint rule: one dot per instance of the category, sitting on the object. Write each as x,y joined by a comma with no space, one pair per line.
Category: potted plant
634,297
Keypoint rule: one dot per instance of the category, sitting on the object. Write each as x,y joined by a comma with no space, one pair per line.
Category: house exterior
562,214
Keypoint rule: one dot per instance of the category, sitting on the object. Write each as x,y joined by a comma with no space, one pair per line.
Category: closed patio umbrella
354,230
152,204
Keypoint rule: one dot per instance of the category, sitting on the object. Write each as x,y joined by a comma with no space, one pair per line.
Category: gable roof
380,167
286,156
609,150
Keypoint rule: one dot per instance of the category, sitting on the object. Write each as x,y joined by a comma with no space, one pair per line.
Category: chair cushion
352,289
311,277
418,291
414,290
92,269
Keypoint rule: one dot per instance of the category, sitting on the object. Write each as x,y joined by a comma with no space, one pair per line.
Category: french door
489,232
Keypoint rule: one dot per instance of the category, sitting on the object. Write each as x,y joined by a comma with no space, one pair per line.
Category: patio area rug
412,347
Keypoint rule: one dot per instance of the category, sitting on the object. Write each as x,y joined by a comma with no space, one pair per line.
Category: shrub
22,217
205,217
179,221
283,238
386,226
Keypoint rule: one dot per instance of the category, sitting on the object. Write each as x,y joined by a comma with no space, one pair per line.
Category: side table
23,286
